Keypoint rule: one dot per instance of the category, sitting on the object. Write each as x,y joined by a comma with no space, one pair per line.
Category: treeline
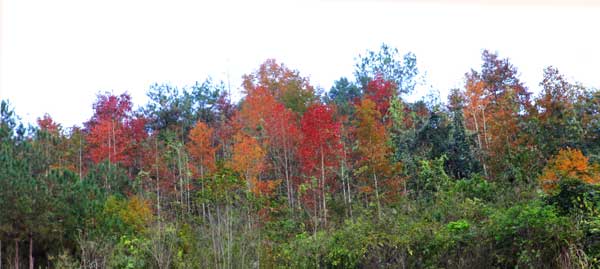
290,177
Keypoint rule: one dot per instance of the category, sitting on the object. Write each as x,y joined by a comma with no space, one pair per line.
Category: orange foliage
256,108
201,149
265,187
495,103
248,158
275,77
374,151
568,163
284,84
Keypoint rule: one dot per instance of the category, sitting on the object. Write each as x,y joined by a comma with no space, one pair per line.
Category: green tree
387,63
461,161
343,94
559,125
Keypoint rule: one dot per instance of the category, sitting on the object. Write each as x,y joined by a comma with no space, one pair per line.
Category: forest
293,176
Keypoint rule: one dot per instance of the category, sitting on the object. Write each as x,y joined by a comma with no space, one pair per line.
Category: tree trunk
487,142
157,178
16,253
202,186
290,192
30,251
323,186
0,254
377,196
80,158
479,143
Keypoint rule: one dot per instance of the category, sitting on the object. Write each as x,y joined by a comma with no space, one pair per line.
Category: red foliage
113,133
47,124
381,91
319,151
321,135
281,127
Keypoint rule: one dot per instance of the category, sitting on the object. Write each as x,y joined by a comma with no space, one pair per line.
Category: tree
558,123
276,129
587,108
496,103
283,137
178,109
202,152
286,85
319,151
48,140
201,148
257,107
248,159
461,161
432,140
568,164
388,64
344,94
114,133
374,152
381,92
24,197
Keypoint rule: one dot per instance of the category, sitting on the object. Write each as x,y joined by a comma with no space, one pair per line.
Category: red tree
47,124
283,137
276,128
319,153
381,91
113,132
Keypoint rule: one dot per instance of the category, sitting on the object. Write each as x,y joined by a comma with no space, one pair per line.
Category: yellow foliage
137,213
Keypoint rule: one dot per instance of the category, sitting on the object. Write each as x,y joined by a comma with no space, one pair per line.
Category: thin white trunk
479,143
486,139
323,186
343,182
157,178
80,158
377,195
202,186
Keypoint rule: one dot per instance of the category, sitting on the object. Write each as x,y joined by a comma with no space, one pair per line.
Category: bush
531,234
476,187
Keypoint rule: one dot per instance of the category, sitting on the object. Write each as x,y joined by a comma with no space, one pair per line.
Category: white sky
56,55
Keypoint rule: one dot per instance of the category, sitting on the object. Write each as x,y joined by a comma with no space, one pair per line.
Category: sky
55,56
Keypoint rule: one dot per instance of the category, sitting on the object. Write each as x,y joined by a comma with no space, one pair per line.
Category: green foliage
530,234
435,206
343,94
461,157
64,260
431,178
388,63
129,253
173,108
575,196
476,187
111,177
344,248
